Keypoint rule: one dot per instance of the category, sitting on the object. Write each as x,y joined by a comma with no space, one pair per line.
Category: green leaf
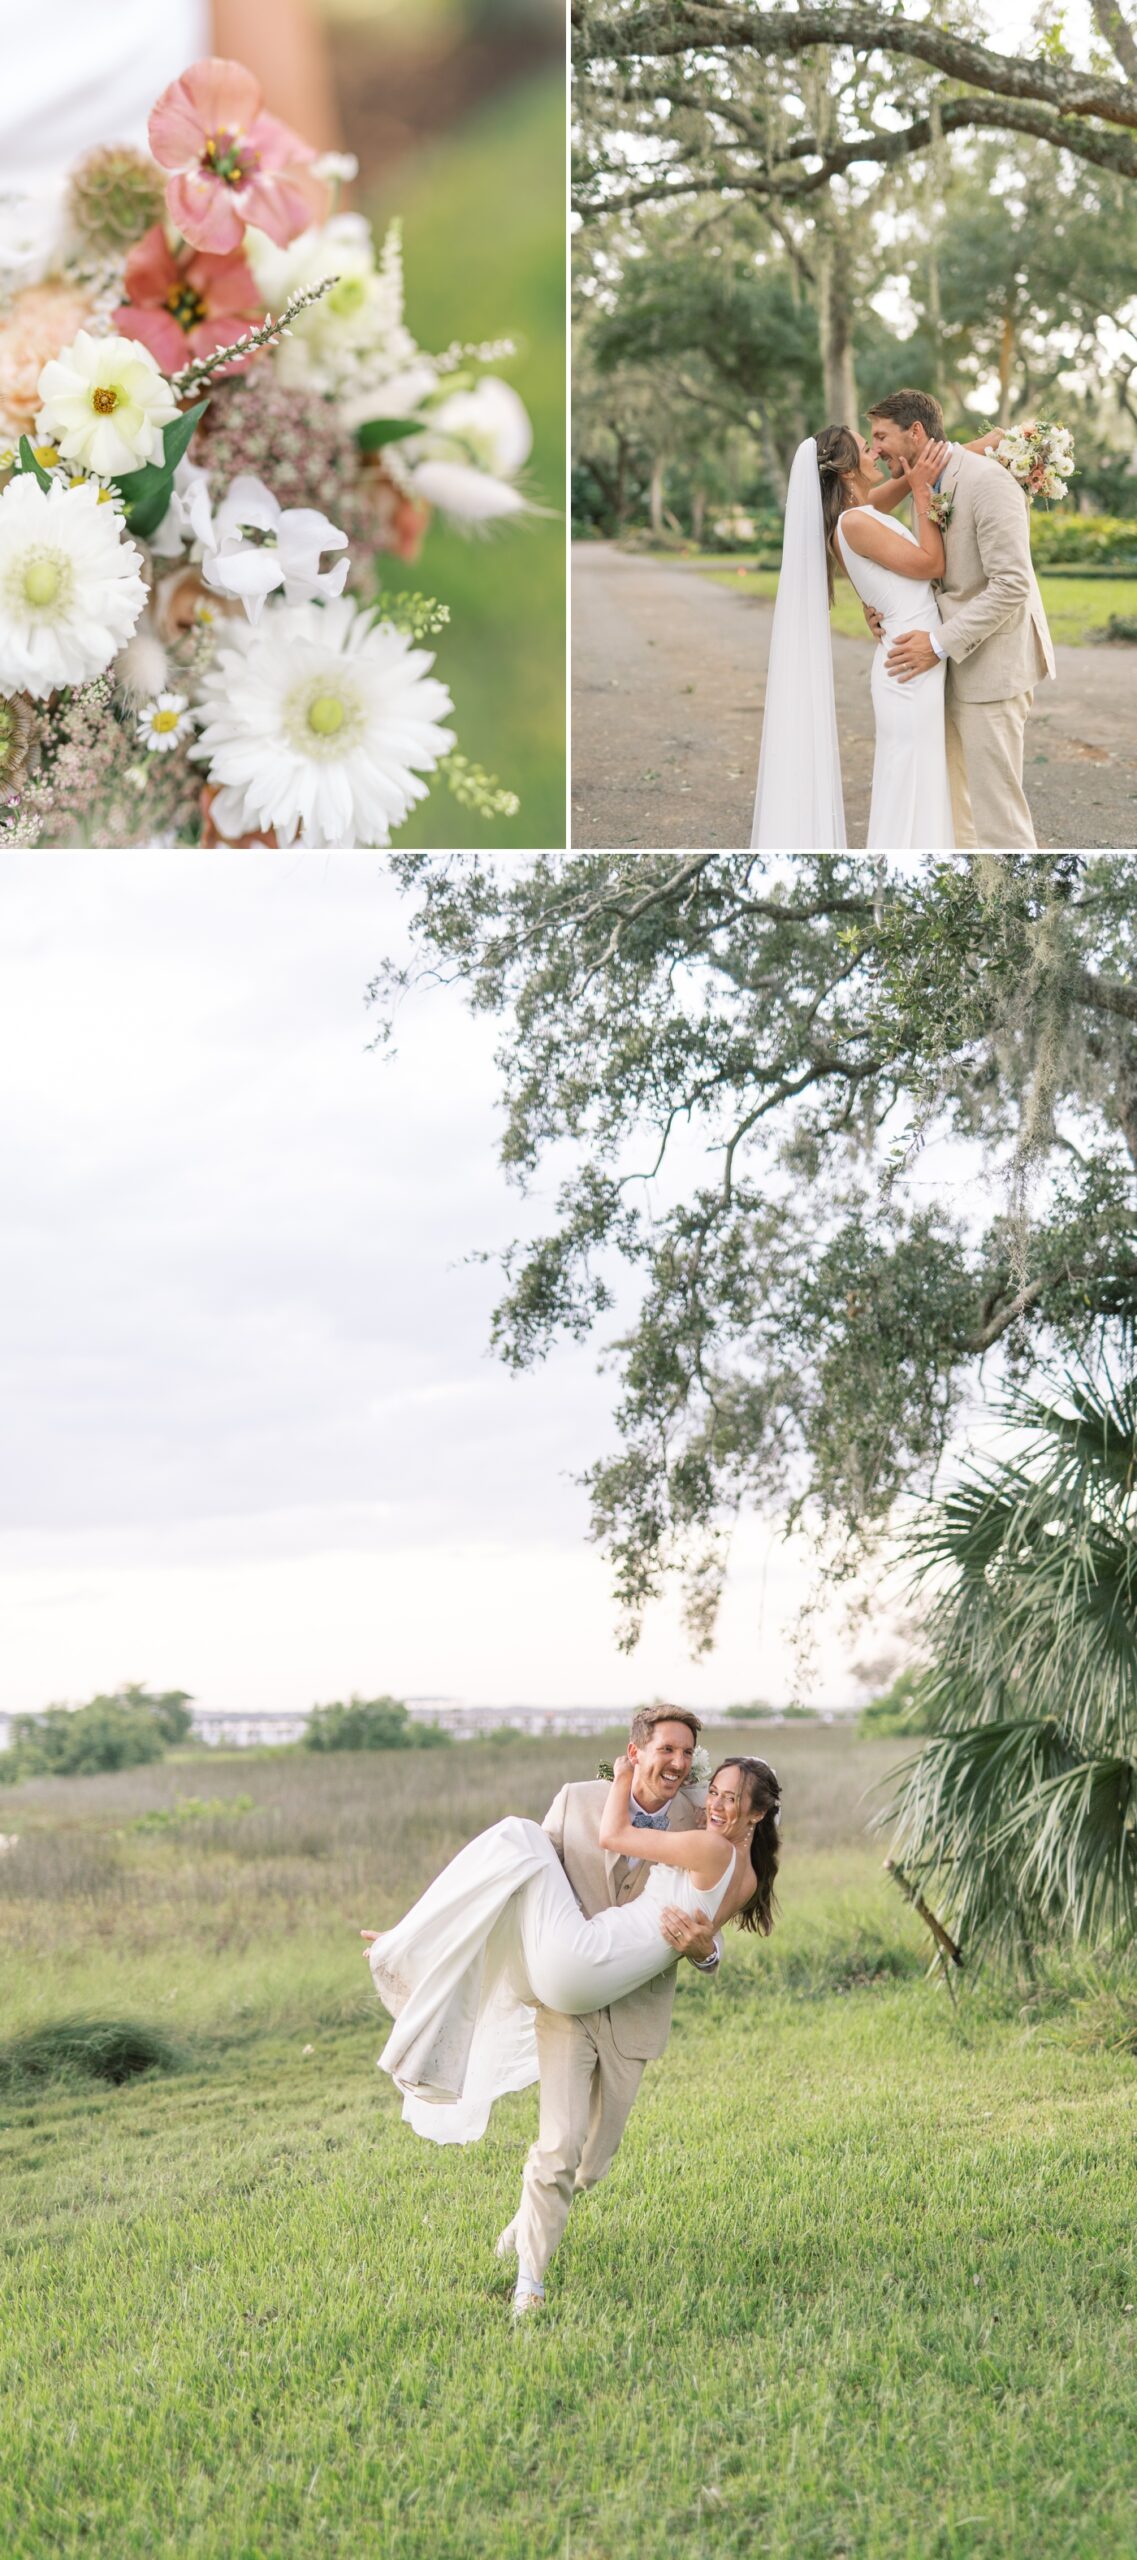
28,463
380,431
147,492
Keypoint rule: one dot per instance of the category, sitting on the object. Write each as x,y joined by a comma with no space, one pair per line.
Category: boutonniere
941,508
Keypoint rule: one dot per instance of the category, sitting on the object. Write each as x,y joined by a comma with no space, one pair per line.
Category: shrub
1109,542
369,1724
117,1731
111,2049
903,1708
1120,626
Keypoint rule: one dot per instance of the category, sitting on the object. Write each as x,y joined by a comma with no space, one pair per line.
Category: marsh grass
861,2283
82,2048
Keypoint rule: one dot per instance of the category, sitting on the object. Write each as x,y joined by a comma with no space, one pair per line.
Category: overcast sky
254,1443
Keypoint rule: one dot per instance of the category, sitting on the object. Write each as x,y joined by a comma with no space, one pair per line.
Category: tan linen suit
995,638
591,2067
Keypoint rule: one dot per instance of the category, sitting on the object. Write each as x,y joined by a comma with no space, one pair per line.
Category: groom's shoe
528,2297
530,2291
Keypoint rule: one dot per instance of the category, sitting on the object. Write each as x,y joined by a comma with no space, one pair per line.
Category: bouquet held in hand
213,422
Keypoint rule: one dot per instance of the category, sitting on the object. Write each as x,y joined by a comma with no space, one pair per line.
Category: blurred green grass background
483,214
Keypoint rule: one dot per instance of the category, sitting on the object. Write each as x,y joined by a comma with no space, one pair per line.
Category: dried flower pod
114,195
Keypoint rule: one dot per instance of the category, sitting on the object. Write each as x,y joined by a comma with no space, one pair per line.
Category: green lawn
484,229
1074,606
862,2283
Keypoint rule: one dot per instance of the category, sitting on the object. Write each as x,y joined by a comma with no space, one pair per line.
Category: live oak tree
800,114
745,1060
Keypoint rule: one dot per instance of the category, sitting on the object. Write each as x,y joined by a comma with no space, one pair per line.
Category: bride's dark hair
763,1801
837,452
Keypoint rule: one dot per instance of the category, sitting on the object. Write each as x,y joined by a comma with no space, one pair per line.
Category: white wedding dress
498,1933
74,77
911,797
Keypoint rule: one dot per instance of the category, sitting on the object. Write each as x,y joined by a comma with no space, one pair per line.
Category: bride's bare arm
695,1850
872,540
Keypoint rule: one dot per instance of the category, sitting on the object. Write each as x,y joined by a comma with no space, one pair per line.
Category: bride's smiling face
727,1805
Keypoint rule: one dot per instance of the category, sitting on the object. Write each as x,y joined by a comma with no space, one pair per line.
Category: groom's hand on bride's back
875,621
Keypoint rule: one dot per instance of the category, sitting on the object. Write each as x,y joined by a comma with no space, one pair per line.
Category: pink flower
186,303
41,321
232,163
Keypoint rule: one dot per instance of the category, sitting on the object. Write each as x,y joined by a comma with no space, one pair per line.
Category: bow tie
642,1821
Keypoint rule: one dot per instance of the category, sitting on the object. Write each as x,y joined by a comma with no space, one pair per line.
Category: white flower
475,444
316,724
358,325
254,545
70,589
105,403
164,722
461,491
175,530
334,168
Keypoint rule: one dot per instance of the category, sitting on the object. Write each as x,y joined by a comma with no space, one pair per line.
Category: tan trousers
587,2089
985,770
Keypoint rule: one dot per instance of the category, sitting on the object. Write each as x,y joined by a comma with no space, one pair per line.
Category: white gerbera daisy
315,725
163,723
105,403
70,588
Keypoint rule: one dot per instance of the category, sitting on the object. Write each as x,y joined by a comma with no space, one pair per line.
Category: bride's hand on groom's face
925,471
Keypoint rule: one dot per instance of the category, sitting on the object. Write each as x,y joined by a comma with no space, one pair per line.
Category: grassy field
1074,606
484,229
862,2285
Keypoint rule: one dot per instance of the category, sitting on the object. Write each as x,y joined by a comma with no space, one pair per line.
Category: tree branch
1112,151
1105,995
693,27
1118,34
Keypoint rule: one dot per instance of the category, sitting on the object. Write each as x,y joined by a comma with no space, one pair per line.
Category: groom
993,630
591,2067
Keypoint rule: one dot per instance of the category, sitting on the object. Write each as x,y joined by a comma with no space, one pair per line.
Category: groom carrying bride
591,2067
993,632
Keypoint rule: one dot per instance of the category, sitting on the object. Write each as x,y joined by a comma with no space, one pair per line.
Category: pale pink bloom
232,164
185,303
41,321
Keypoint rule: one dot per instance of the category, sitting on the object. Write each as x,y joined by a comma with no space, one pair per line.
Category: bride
834,517
500,1931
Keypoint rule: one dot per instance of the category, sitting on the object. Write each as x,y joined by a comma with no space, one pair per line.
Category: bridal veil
799,803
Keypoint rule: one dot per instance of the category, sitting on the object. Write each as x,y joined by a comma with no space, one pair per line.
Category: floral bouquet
213,418
1039,456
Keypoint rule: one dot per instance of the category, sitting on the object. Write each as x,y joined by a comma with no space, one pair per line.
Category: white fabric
798,802
911,796
76,75
497,1932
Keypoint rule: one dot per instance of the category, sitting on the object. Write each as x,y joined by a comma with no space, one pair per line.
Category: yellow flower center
325,715
104,400
163,721
347,297
42,582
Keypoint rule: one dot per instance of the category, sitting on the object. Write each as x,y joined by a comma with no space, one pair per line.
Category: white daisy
316,724
163,723
254,545
105,403
70,588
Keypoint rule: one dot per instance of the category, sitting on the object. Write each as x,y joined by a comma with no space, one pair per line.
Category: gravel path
668,684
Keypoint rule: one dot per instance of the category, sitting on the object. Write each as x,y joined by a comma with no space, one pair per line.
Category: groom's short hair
911,409
646,1719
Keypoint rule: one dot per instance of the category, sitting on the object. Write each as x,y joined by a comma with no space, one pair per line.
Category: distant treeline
132,1724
